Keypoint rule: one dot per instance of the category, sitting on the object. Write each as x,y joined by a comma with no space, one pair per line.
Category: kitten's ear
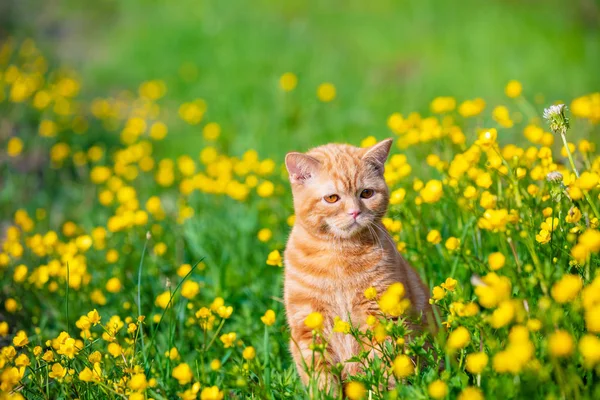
378,153
301,167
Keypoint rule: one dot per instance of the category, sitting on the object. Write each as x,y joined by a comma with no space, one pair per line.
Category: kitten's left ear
378,153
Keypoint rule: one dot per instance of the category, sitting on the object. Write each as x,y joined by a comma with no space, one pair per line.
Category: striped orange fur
339,247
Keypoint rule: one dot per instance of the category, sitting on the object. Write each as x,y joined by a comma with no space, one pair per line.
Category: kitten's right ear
301,167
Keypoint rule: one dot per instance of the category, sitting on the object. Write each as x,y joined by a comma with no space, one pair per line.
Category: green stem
587,196
139,296
267,366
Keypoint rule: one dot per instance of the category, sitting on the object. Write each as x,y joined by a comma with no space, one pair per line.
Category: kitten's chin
348,231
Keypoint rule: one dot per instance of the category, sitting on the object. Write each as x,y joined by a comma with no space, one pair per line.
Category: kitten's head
339,190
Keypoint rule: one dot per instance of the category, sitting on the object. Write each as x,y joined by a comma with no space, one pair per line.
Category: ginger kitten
339,247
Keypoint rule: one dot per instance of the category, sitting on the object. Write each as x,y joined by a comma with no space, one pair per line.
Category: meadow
144,204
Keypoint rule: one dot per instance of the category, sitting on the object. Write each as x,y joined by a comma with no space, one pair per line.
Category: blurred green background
382,56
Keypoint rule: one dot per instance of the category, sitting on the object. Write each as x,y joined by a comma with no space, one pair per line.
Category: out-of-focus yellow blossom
441,105
228,339
14,147
183,373
249,353
458,339
437,389
476,362
288,81
370,293
211,393
496,261
560,343
567,288
326,92
434,236
452,243
513,89
403,366
471,393
355,391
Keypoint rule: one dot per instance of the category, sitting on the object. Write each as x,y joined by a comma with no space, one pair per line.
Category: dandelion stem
139,294
572,162
67,299
267,366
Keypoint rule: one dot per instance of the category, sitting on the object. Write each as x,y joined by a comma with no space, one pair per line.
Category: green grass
383,56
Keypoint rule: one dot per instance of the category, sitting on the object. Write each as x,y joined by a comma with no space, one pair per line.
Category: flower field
129,273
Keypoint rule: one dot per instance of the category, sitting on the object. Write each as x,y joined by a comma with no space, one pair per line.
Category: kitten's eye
332,198
365,194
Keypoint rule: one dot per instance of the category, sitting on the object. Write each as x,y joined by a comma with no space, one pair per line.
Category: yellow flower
20,339
162,300
438,293
442,104
589,347
86,375
14,147
432,191
228,339
3,328
249,353
458,339
269,318
438,389
543,236
560,343
264,235
173,354
20,273
341,326
355,391
503,315
513,89
450,284
288,82
211,393
113,285
114,349
588,180
189,289
57,371
211,131
434,236
452,243
275,259
496,261
573,216
95,357
265,189
183,373
471,393
370,293
158,130
476,362
326,92
567,288
590,239
403,366
138,382
215,365
314,320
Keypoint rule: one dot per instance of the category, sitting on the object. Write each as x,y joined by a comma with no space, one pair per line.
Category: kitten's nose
354,213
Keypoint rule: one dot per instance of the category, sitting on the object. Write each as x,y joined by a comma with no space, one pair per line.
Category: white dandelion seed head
554,176
554,111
